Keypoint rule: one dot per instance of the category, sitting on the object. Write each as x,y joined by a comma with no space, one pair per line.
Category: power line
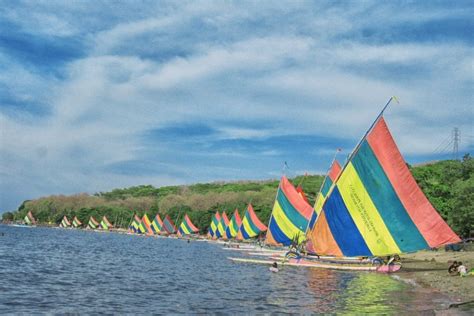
456,139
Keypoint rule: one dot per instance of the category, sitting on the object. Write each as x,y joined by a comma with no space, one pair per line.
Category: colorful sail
76,223
290,216
300,191
157,224
137,226
29,219
147,224
214,223
234,225
328,181
376,208
65,222
187,227
168,225
222,225
251,225
92,224
105,224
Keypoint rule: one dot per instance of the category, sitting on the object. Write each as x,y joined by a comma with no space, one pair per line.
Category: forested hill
448,184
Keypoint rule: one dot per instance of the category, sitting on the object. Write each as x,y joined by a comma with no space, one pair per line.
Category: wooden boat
307,264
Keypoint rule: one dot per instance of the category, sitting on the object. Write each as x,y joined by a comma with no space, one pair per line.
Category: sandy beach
429,269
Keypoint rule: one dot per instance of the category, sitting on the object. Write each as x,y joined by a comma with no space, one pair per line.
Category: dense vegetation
199,201
448,184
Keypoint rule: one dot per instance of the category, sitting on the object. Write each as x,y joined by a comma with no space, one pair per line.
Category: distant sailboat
157,224
216,218
168,226
187,227
65,222
147,224
105,224
222,225
234,225
29,219
76,223
251,226
92,224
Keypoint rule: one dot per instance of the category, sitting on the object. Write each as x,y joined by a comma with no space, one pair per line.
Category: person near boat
274,267
453,268
461,269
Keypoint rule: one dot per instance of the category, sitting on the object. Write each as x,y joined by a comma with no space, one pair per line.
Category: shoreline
429,270
424,269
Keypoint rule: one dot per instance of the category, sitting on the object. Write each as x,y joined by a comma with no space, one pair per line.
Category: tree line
449,185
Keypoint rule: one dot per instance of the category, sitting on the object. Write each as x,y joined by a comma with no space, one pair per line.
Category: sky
97,95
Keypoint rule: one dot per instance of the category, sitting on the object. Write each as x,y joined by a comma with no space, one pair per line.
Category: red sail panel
430,224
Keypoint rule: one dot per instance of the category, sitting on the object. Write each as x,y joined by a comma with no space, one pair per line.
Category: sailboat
76,223
290,216
147,224
328,181
92,224
169,226
251,225
65,222
105,224
212,233
222,225
157,224
374,208
29,219
233,228
187,227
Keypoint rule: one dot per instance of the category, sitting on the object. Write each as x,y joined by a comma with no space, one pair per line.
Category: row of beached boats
368,208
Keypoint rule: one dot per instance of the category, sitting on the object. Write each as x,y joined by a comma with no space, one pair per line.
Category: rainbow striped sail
157,224
290,216
105,224
76,223
234,225
328,181
187,227
29,219
168,225
222,225
251,225
136,226
92,224
213,226
65,222
147,224
376,208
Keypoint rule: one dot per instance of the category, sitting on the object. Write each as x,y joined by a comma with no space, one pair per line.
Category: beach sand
429,269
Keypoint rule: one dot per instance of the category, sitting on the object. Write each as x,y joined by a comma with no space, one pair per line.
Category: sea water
47,270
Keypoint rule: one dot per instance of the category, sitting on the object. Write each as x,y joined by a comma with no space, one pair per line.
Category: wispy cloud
94,97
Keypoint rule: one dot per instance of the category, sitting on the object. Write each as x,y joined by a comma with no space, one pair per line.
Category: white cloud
288,68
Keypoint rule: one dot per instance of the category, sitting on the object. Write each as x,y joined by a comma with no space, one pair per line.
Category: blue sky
98,95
